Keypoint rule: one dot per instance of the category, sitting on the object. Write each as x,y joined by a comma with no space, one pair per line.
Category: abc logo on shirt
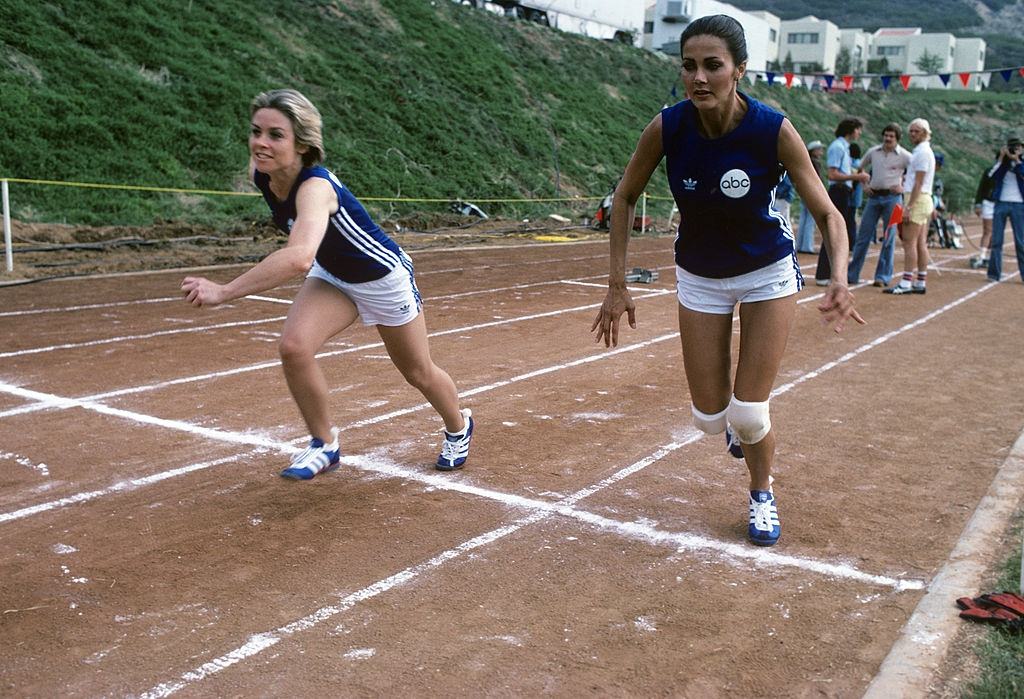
734,184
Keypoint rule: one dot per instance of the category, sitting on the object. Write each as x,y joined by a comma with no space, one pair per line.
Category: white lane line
86,307
49,400
146,336
881,339
261,641
542,510
689,541
42,405
628,530
121,487
918,653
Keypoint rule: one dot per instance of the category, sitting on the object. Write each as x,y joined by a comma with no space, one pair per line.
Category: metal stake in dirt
7,226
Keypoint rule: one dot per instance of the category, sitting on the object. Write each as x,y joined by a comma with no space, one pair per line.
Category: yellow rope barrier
415,200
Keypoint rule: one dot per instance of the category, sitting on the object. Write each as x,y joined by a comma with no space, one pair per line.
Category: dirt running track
594,545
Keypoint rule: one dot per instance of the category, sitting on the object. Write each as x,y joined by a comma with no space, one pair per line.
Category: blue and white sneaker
455,448
764,529
732,443
316,458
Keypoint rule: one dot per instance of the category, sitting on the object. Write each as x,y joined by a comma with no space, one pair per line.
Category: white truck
614,20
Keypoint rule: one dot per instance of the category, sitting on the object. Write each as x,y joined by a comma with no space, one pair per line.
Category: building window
772,36
648,27
890,50
802,38
675,9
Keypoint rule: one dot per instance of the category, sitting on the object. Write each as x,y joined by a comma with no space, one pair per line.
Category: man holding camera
1008,195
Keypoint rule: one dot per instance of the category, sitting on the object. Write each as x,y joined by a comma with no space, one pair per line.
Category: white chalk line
87,307
145,336
44,405
269,299
120,487
52,401
65,403
259,642
688,541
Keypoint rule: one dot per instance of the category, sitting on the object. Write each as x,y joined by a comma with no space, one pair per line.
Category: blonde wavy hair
305,119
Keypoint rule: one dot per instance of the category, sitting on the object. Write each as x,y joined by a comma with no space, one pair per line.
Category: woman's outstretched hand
837,306
606,325
200,291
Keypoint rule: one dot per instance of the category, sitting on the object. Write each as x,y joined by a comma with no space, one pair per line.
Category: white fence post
7,226
643,216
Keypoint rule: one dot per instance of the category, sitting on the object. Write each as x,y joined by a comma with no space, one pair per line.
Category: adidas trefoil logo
405,308
689,185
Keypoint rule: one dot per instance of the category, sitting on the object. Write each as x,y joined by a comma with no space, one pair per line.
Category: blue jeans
1015,212
878,207
805,231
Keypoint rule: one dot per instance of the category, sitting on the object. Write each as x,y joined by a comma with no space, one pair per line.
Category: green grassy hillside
420,99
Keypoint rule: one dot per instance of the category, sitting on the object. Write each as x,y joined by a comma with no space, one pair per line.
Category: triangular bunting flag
1021,71
828,81
1007,74
905,79
897,216
985,78
886,79
751,77
848,81
789,79
965,78
944,77
771,78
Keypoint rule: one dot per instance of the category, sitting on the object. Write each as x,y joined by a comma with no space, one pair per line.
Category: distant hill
999,22
429,100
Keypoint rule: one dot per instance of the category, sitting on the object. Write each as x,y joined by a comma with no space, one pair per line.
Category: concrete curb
908,669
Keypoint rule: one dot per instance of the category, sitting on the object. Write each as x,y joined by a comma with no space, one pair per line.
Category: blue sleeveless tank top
354,248
725,190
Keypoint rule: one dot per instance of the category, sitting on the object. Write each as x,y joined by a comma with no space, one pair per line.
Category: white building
665,21
907,49
891,43
968,56
774,32
811,44
857,44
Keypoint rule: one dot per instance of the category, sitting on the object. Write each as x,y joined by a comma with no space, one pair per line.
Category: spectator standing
841,179
1008,195
887,164
805,227
985,208
858,187
917,210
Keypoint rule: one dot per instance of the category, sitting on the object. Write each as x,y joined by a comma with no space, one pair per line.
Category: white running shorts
392,300
720,296
988,209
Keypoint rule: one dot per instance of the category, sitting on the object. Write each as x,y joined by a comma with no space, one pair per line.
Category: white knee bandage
749,421
711,424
